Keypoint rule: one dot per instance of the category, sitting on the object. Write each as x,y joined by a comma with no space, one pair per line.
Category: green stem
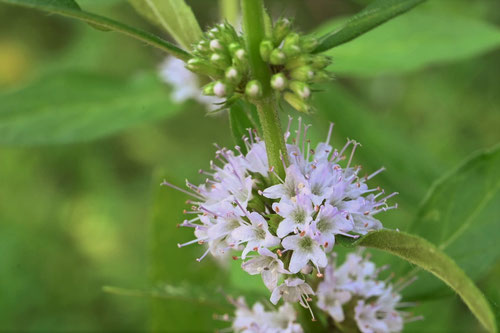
229,10
254,28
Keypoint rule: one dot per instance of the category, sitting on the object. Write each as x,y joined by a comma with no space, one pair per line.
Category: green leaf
175,16
67,8
426,255
372,16
69,107
421,38
460,215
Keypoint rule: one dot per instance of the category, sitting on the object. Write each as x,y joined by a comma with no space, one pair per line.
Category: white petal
298,261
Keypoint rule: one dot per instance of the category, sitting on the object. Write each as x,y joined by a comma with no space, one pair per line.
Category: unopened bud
299,61
240,60
297,103
220,89
208,90
216,45
233,75
281,29
266,47
304,73
220,60
233,47
300,89
201,66
320,61
279,82
291,44
277,57
322,76
308,43
253,89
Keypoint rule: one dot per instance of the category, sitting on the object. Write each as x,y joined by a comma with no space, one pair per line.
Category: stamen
195,195
375,173
329,133
203,256
287,132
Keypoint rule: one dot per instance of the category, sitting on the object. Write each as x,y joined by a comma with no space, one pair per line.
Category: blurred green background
75,217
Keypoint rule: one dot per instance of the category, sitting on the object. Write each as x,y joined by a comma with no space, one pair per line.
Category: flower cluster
258,320
222,56
282,231
352,292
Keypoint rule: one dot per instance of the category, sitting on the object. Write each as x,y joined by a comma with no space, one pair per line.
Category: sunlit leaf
67,8
426,255
461,216
372,16
175,16
413,41
68,107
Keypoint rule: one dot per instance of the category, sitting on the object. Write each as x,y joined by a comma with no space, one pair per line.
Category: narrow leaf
426,255
372,16
460,215
69,107
175,16
67,8
416,40
239,123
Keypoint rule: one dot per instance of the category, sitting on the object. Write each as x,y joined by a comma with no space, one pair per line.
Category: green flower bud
300,89
297,103
222,89
253,89
277,57
304,73
279,82
233,75
216,45
322,76
308,43
220,60
299,61
291,44
266,47
208,90
320,61
240,60
202,46
233,47
204,67
281,29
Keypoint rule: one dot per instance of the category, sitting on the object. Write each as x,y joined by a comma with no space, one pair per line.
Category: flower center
306,244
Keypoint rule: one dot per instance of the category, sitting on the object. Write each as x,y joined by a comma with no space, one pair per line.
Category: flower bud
253,89
233,47
322,76
202,46
266,47
300,89
308,43
233,75
304,73
320,61
201,66
291,44
281,29
299,61
279,82
297,103
220,60
222,89
216,45
208,90
277,57
240,60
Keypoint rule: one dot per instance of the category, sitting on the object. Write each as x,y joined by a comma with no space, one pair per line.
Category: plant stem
254,28
229,10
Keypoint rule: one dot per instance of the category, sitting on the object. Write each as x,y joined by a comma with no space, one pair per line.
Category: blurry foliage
75,217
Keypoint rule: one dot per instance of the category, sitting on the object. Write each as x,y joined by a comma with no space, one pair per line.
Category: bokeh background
77,216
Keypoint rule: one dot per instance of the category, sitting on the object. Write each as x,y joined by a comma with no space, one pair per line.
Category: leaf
460,215
372,16
426,255
421,38
172,265
69,107
175,16
67,8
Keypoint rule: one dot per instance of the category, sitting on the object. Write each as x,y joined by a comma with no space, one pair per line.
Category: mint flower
258,320
286,229
354,284
293,290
